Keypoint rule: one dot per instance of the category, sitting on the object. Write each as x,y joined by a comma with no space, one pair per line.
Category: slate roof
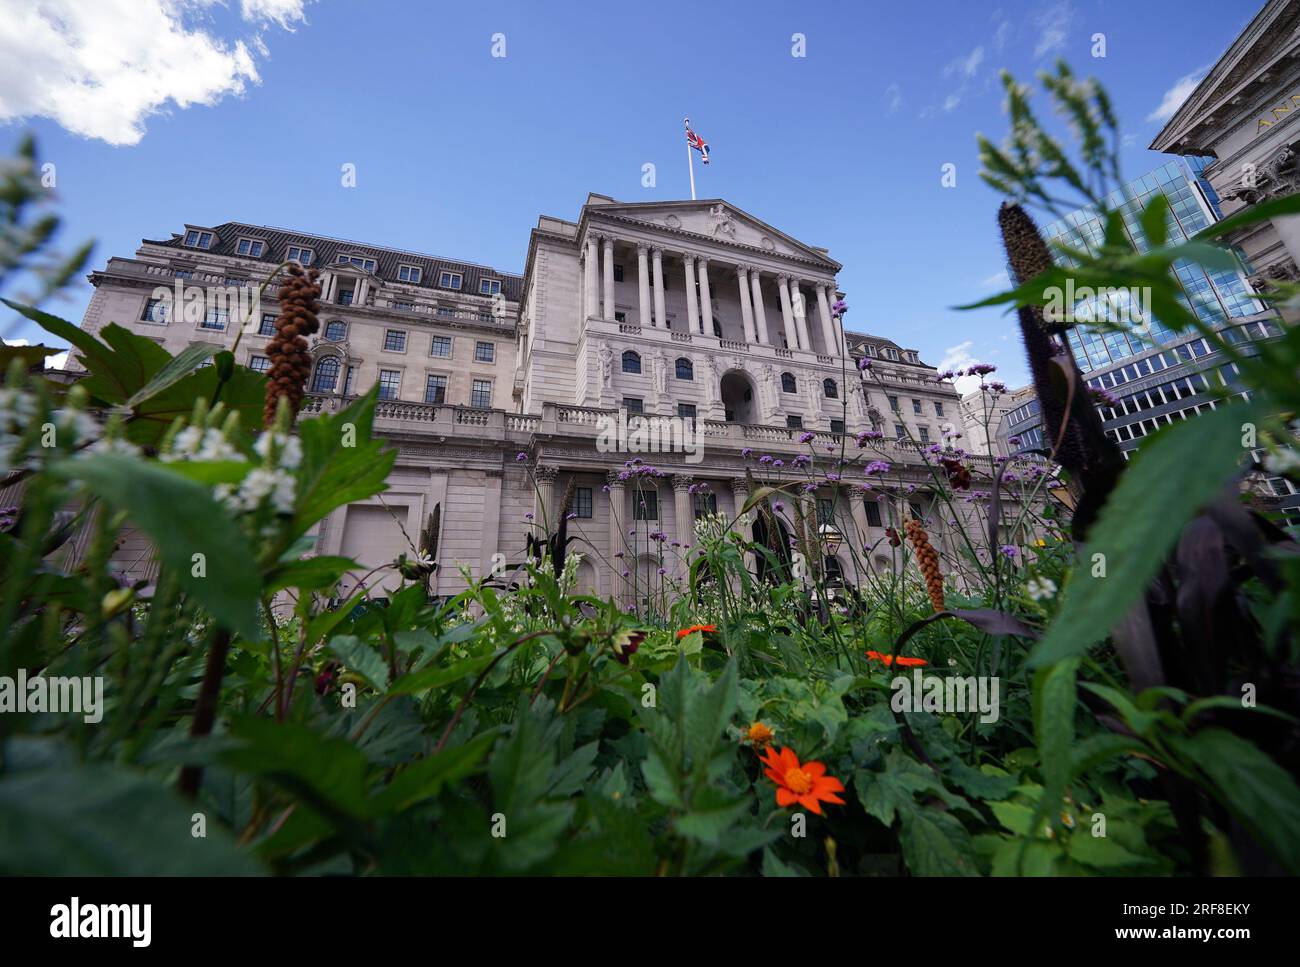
328,249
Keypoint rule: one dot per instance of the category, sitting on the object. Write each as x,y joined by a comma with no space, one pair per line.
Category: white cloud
952,100
894,94
100,68
965,66
1175,96
1053,24
1002,34
959,357
998,280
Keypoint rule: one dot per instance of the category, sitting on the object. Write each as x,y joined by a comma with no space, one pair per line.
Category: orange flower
903,661
686,631
759,736
807,784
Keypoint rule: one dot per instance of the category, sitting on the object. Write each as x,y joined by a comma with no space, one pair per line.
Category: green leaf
334,473
176,369
426,778
1261,794
936,844
1265,211
1102,853
1054,696
182,520
439,677
1140,524
103,820
362,658
310,573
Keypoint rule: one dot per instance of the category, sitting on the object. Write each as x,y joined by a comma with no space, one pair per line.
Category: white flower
1283,461
288,450
198,443
1041,589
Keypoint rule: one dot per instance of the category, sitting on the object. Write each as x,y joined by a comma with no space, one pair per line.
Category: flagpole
690,160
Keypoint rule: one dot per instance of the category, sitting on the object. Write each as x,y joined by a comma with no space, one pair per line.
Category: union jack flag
697,142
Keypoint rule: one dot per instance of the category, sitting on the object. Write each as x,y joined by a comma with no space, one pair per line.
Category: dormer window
197,239
303,256
450,280
489,286
409,273
891,354
252,247
359,261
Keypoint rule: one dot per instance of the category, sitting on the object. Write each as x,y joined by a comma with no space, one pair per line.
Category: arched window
631,362
336,330
830,388
327,375
788,384
684,368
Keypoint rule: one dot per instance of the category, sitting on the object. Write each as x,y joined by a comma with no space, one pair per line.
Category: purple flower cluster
876,467
805,438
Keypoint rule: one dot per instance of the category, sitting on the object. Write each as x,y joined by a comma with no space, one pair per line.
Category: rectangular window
794,422
686,410
632,404
197,239
481,395
893,403
267,325
837,426
302,256
706,504
938,408
825,510
925,434
215,319
489,286
435,389
408,273
484,352
916,407
440,346
155,310
395,341
873,513
450,280
900,432
618,272
390,383
357,260
259,364
347,380
582,502
645,505
252,247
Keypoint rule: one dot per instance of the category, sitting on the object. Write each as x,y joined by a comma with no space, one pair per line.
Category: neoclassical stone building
1245,115
682,309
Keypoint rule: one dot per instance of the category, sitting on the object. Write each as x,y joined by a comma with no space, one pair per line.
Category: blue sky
224,114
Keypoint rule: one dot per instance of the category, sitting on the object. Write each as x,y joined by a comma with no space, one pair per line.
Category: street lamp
831,538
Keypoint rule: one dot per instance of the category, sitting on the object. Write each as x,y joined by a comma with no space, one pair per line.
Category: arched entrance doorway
739,397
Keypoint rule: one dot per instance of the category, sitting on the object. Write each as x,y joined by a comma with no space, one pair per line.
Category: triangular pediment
1262,50
712,219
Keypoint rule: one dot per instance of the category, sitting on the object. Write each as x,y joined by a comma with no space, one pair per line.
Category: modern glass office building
1214,295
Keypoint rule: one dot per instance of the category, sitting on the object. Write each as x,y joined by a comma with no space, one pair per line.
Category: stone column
760,314
592,308
607,243
706,302
692,311
544,498
859,509
685,514
828,326
657,258
616,587
787,314
746,307
740,493
643,285
799,309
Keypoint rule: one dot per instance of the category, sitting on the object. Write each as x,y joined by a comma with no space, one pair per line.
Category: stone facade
1246,115
692,310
